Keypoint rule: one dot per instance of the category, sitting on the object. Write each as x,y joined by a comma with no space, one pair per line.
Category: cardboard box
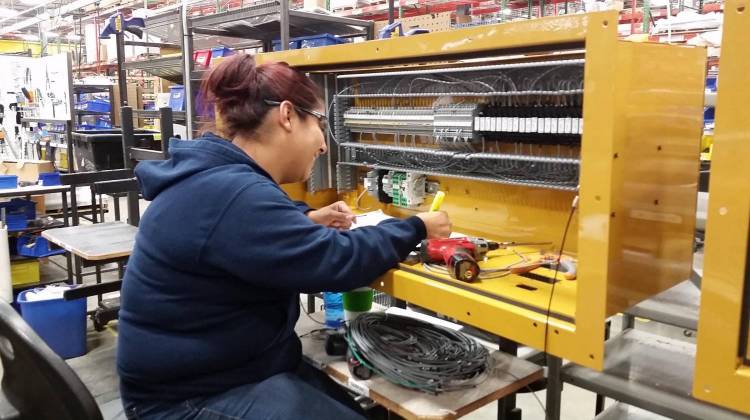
26,170
135,101
314,4
41,209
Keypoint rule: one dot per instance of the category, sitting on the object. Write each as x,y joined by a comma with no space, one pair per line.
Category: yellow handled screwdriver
437,201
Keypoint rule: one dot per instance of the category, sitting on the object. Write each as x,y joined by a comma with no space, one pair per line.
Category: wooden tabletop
100,241
508,374
33,190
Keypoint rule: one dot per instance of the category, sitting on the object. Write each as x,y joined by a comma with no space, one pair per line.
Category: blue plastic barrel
60,323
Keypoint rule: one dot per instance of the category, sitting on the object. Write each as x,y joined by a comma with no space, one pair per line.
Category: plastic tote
8,181
60,323
34,246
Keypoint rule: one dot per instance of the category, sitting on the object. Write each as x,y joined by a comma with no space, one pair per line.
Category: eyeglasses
322,119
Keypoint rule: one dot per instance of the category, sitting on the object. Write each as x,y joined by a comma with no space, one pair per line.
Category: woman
210,296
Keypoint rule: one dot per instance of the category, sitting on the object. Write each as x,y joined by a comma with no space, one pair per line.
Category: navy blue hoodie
210,294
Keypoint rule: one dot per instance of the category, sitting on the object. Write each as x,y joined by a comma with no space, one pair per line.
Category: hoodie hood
188,158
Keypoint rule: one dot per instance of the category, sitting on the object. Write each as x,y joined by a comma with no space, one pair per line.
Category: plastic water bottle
334,307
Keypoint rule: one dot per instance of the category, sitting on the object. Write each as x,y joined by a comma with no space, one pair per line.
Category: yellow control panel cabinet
634,167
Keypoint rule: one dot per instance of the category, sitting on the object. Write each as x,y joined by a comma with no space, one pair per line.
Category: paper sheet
370,219
374,217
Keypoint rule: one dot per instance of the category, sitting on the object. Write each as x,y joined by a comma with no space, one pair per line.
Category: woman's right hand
437,224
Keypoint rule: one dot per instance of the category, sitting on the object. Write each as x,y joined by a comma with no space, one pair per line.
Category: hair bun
237,87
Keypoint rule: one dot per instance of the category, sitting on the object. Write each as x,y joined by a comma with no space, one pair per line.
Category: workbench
35,190
98,242
508,375
95,245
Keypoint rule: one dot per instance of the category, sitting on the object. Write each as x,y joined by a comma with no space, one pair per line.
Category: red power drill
460,255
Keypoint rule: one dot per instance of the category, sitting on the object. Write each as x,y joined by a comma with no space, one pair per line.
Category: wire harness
416,354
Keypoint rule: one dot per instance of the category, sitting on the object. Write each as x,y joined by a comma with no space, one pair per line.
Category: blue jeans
304,394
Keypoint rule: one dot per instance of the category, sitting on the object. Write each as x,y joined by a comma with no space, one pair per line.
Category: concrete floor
97,368
97,371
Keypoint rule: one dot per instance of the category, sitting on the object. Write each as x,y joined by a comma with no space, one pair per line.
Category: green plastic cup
356,302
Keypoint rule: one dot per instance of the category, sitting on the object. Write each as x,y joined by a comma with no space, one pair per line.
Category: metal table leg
98,269
117,207
66,217
601,399
554,387
506,407
78,273
69,266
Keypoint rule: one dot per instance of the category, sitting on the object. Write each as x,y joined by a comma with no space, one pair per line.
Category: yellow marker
437,201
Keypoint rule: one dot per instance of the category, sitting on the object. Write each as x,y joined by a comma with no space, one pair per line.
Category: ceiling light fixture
8,13
62,11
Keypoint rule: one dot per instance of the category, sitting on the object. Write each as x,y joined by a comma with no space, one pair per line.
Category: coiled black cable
416,354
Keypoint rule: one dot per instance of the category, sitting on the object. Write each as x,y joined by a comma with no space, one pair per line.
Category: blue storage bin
177,97
711,84
102,123
49,178
312,41
320,41
60,323
293,45
8,181
221,52
36,247
18,212
91,127
16,222
94,105
708,115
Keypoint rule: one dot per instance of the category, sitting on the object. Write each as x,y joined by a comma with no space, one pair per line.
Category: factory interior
374,209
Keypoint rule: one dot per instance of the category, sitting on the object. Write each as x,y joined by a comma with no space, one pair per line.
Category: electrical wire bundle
416,354
541,170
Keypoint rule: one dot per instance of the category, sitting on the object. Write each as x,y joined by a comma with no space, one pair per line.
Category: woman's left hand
337,215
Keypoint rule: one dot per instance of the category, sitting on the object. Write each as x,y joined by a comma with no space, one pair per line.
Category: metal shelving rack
79,89
262,23
167,27
253,26
169,68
